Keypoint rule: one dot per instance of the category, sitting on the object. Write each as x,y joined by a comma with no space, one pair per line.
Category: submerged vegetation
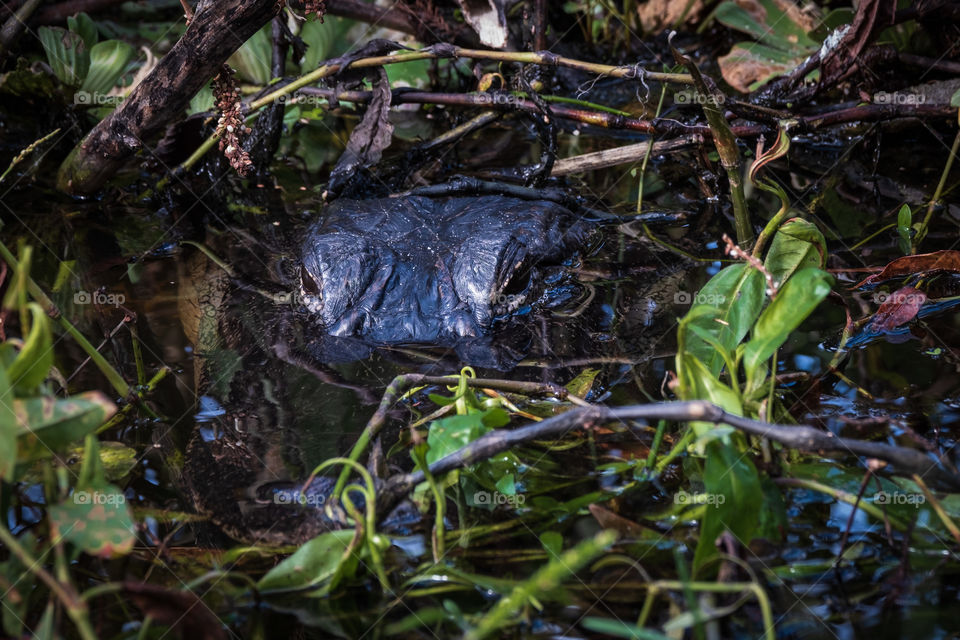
727,412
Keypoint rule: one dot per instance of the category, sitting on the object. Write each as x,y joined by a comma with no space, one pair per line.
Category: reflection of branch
799,437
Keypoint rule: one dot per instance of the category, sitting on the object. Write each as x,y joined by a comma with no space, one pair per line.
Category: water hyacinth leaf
794,302
796,245
84,26
32,364
48,424
95,519
312,565
66,54
108,61
733,499
904,222
726,308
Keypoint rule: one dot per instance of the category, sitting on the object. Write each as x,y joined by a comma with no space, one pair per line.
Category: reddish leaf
919,265
899,308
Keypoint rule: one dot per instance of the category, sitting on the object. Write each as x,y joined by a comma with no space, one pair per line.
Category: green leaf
455,432
252,60
581,385
8,429
619,629
552,541
313,564
797,244
778,30
697,383
904,222
955,99
734,497
319,39
84,26
48,424
32,364
66,54
108,61
726,308
202,102
794,302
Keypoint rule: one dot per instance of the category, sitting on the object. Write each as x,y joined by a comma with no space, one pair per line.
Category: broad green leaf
697,383
47,423
13,572
955,99
735,499
319,39
778,30
313,564
202,102
95,519
45,629
797,244
794,302
252,60
733,298
32,364
66,54
108,61
84,26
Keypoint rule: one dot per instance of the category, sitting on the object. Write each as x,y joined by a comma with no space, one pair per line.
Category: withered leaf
918,265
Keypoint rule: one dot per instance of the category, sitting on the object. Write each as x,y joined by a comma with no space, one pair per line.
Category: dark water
613,308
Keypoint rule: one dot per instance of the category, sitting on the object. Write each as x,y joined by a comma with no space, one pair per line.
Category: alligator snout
423,270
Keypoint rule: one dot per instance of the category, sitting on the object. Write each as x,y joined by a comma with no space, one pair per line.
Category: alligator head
430,271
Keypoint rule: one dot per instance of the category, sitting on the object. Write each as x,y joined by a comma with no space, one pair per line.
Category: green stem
112,375
922,232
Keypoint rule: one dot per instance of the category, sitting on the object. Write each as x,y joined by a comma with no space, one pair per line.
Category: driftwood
799,437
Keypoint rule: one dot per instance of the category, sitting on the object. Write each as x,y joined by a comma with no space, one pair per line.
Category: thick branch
216,31
799,437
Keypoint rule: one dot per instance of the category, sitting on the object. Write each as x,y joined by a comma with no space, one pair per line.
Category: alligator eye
308,283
